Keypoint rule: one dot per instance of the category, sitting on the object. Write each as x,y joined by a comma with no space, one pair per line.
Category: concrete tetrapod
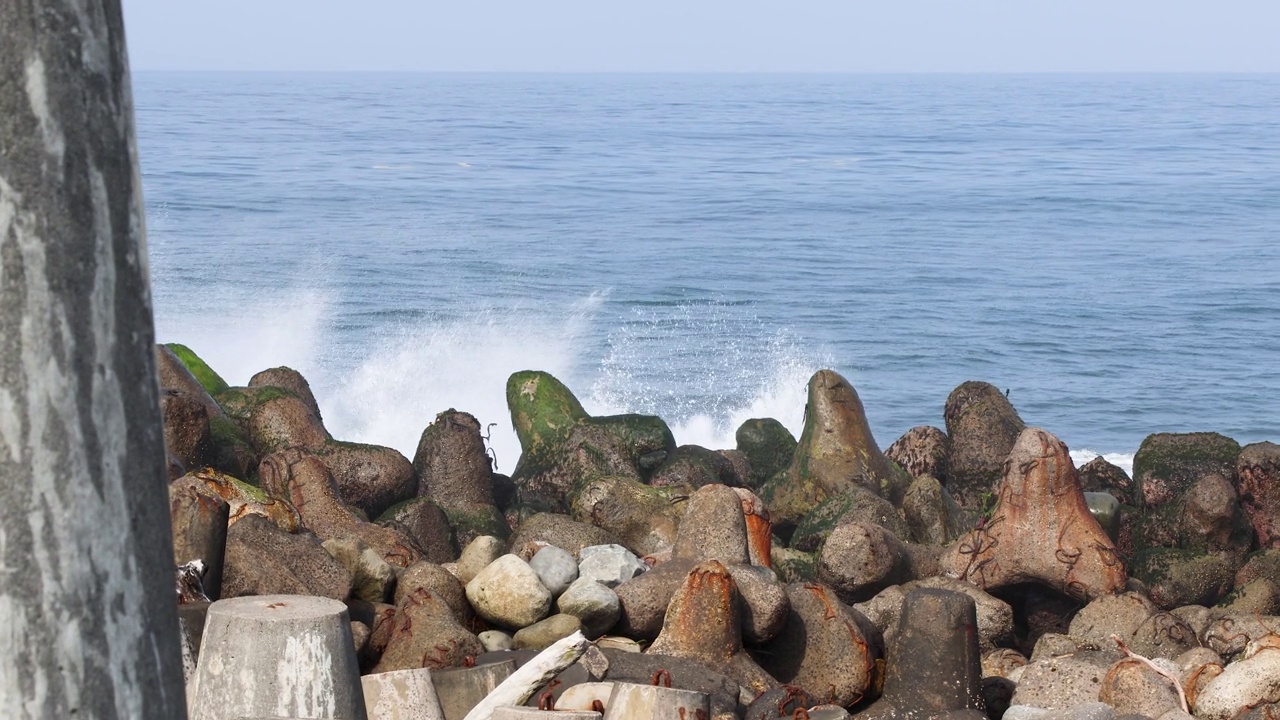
401,695
277,655
461,689
1041,529
632,701
933,669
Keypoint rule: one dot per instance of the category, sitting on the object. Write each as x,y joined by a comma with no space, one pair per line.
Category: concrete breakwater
819,573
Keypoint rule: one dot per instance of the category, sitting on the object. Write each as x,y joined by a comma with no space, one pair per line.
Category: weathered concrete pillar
88,618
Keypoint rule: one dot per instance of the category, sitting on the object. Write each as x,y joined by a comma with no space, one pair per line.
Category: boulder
1260,597
543,412
855,505
826,648
372,579
1249,683
983,427
477,555
562,531
769,447
426,524
305,481
455,471
440,583
542,634
291,380
694,466
274,419
609,565
198,517
1058,683
425,633
593,603
714,526
1174,578
1212,519
1163,635
508,593
1168,464
556,569
1041,529
1120,615
1133,686
643,518
186,429
262,559
859,560
245,499
1258,483
371,478
923,451
836,452
995,616
1099,475
932,515
1230,635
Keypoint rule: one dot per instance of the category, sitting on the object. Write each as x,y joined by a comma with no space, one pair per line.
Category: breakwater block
401,695
461,689
632,701
277,656
516,712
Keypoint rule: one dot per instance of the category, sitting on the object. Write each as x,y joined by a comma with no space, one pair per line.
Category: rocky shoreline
964,571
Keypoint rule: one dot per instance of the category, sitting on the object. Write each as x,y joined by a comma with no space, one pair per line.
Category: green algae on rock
543,411
1167,464
209,379
769,447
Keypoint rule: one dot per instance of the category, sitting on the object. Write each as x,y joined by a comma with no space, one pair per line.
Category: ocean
1104,247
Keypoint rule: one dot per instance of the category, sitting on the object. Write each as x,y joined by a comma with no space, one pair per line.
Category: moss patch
1180,459
212,381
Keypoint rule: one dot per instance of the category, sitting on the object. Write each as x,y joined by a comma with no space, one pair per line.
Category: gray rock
1251,682
441,583
713,527
1109,615
932,514
827,648
923,451
1260,596
509,593
477,555
540,635
262,559
595,604
1163,635
457,473
1051,645
423,521
1132,686
1058,683
495,640
859,560
768,446
372,578
983,427
609,565
556,569
1002,661
1081,711
562,531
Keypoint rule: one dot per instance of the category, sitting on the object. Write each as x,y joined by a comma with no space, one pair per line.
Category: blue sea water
1106,247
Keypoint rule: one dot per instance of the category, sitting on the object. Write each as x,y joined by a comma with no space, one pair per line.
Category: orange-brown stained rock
304,480
424,634
704,624
245,499
759,528
1041,529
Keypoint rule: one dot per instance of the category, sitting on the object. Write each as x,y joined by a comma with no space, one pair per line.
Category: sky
706,35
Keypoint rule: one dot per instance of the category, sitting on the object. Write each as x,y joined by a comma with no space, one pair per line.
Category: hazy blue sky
706,35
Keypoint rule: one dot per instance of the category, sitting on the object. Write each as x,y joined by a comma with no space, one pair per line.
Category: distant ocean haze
1106,247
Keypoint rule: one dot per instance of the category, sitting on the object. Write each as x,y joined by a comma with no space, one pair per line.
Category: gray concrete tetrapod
277,655
88,616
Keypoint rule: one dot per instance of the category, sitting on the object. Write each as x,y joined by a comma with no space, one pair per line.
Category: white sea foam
1122,460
